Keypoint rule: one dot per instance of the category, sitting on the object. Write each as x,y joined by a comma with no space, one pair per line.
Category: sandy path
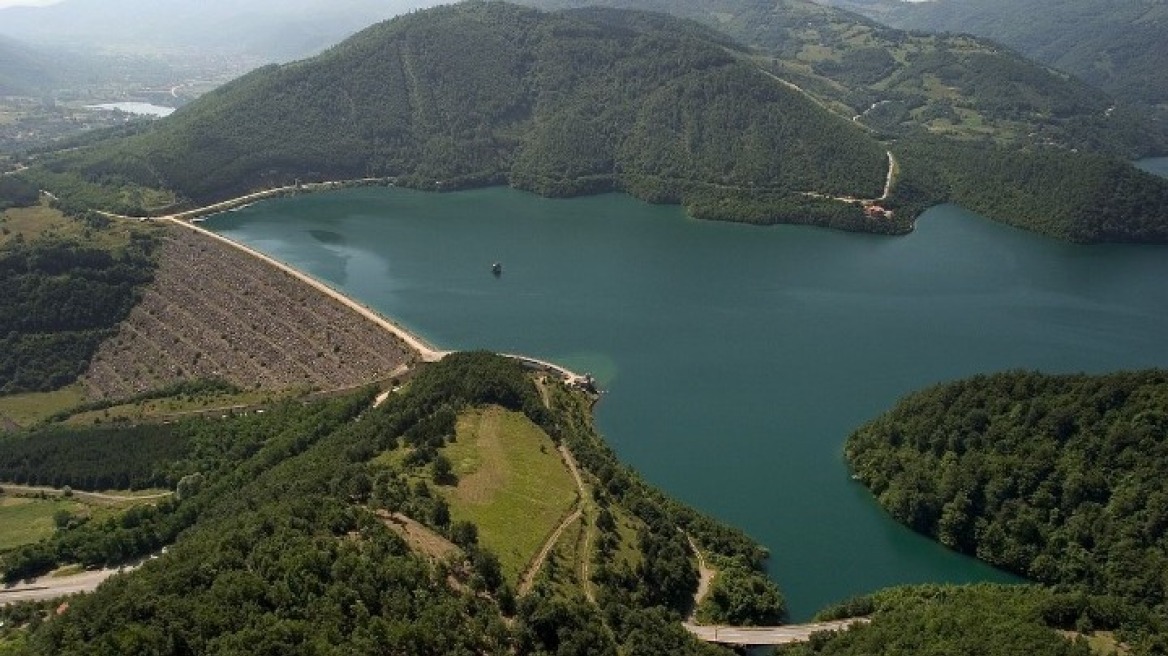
706,576
527,579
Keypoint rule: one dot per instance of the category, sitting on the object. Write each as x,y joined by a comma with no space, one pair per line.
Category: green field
26,520
511,484
44,221
27,409
174,407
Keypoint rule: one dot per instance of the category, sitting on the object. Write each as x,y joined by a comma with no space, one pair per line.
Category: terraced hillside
215,312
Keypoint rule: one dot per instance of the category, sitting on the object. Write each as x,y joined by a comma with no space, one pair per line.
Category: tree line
1056,478
274,547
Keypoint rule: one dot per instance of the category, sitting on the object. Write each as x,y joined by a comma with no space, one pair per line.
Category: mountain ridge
1116,46
600,99
490,93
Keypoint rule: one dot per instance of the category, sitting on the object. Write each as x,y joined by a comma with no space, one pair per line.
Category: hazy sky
13,3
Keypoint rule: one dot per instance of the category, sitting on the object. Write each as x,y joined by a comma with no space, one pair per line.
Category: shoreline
426,352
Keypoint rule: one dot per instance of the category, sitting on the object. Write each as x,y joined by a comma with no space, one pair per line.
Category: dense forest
900,82
61,299
16,191
487,93
1080,197
989,620
1057,478
1116,46
115,458
275,548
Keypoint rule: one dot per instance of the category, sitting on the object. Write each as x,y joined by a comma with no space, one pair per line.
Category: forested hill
280,539
1117,46
486,93
1057,478
22,71
901,82
971,122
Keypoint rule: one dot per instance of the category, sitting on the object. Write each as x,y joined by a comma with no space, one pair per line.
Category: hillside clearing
511,483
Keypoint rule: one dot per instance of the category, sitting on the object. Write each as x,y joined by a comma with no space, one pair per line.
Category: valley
606,416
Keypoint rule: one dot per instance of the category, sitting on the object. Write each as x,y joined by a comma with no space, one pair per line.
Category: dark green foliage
273,549
117,458
1117,46
490,93
563,628
766,209
61,299
900,81
980,619
740,597
16,191
1057,478
1074,196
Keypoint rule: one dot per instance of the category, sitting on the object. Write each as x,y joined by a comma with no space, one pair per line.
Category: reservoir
737,359
138,108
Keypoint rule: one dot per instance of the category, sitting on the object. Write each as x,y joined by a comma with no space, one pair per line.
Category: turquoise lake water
737,359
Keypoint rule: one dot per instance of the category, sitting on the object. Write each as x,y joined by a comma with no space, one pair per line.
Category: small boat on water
497,269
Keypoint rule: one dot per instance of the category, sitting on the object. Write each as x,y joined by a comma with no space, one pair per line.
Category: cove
737,359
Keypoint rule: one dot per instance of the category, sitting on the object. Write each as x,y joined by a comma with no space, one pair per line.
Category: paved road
757,636
569,376
47,587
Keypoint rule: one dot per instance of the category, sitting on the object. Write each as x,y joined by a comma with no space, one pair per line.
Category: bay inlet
737,358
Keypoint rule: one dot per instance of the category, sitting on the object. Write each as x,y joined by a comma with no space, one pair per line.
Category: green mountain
596,99
901,83
285,536
969,121
23,71
489,93
1116,46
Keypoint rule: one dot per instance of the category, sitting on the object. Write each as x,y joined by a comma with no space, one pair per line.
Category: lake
139,108
737,359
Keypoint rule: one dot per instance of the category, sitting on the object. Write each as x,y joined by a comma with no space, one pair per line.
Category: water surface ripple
737,358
